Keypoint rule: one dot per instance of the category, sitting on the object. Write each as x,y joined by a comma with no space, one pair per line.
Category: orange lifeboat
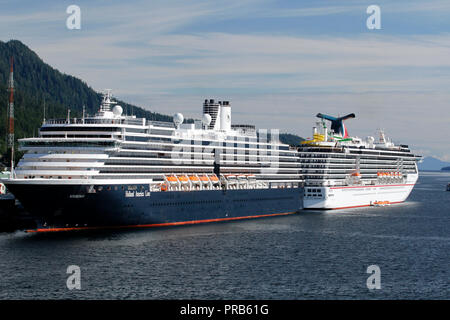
183,179
214,178
172,179
204,179
194,179
381,203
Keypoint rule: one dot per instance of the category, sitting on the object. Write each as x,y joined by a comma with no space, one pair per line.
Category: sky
279,63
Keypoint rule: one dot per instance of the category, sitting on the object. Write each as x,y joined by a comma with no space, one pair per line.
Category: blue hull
81,206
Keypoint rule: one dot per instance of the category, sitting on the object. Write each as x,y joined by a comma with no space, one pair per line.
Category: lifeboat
231,178
214,178
194,179
356,174
183,179
380,203
204,179
242,178
172,179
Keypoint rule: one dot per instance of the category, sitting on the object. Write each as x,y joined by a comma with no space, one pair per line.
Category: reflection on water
315,254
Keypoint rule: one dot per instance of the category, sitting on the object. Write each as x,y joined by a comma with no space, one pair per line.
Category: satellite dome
178,119
206,120
117,110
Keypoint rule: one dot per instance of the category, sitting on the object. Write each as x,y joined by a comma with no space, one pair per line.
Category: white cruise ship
116,170
347,172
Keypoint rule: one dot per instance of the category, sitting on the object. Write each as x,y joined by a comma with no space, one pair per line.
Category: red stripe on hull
365,205
162,224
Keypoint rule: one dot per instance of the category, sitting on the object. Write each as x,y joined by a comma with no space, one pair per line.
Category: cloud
255,62
149,54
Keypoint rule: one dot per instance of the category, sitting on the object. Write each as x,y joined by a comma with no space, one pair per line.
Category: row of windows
313,190
66,143
71,128
76,136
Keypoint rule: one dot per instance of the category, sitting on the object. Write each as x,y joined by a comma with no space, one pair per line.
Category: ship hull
357,196
67,207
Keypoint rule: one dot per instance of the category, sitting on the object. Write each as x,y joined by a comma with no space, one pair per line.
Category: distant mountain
445,169
430,163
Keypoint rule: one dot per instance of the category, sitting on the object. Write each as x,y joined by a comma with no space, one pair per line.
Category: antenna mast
11,115
84,113
43,121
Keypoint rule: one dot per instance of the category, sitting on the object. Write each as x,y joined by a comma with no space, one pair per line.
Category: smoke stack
225,116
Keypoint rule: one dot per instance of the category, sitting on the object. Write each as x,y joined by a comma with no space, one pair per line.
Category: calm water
313,255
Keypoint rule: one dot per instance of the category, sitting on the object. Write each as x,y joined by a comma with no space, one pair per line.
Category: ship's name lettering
76,196
132,194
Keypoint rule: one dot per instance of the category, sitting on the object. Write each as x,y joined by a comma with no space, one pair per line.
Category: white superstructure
345,172
114,148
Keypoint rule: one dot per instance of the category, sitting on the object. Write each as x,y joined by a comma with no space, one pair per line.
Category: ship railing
160,124
137,122
188,182
196,182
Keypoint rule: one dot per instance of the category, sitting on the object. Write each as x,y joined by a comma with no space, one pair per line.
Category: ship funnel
337,124
212,108
225,115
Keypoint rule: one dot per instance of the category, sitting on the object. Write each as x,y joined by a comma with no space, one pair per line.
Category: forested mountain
291,139
36,81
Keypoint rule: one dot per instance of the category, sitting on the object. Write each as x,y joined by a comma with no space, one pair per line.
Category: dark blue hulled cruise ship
112,170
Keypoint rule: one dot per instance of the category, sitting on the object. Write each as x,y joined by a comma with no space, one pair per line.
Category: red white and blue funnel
337,124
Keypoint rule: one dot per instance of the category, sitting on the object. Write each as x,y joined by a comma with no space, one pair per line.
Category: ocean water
311,255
